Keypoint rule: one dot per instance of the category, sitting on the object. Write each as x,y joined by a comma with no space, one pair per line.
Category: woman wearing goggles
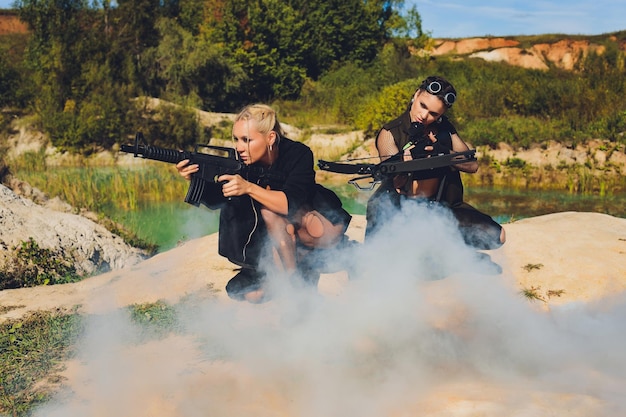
422,131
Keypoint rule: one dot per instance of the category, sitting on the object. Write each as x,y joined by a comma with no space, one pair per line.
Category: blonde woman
283,205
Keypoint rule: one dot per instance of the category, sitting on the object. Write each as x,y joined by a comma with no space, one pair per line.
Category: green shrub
519,132
170,125
30,266
385,106
514,163
87,124
337,93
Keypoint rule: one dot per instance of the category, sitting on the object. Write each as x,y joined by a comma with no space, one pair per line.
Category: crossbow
420,168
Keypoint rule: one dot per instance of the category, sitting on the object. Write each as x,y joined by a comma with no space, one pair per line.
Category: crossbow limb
392,167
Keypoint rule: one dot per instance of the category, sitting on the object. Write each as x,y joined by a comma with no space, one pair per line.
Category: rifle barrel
156,153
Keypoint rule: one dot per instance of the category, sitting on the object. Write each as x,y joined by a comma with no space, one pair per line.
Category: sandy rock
581,254
555,154
560,251
466,46
566,53
514,56
92,246
332,146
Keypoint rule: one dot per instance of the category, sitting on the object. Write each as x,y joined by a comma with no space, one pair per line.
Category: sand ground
463,348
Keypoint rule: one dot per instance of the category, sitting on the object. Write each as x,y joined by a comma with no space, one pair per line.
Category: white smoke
424,327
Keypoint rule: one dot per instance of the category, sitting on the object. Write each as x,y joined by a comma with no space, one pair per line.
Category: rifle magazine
195,191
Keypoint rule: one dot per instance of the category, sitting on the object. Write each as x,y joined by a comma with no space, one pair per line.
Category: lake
169,223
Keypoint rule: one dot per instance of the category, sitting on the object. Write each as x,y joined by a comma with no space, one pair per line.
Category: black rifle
211,166
425,167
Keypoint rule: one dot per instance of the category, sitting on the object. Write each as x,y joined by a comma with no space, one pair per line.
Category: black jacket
242,233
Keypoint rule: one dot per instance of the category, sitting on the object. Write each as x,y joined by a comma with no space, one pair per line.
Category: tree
134,32
9,81
191,69
53,52
279,44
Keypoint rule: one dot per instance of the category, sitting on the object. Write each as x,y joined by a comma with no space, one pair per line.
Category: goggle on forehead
435,88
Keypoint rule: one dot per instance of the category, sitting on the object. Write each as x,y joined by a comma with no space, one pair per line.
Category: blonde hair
265,118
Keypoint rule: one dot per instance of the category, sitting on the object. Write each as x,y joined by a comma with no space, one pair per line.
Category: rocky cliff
563,53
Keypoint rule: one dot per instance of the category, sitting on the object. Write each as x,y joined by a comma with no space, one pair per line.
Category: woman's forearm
273,200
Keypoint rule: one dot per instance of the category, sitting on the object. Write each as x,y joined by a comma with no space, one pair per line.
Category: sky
474,18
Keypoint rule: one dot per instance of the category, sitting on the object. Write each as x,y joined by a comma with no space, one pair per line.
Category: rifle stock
211,166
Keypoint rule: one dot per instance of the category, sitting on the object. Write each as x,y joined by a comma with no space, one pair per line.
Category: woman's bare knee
318,231
314,225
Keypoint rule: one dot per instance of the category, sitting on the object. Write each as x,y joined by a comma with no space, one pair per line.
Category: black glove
417,131
420,140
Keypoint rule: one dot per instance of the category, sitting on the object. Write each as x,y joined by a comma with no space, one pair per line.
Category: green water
506,205
167,223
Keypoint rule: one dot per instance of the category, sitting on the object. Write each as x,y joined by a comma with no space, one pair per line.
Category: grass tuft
530,267
533,294
155,319
31,351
